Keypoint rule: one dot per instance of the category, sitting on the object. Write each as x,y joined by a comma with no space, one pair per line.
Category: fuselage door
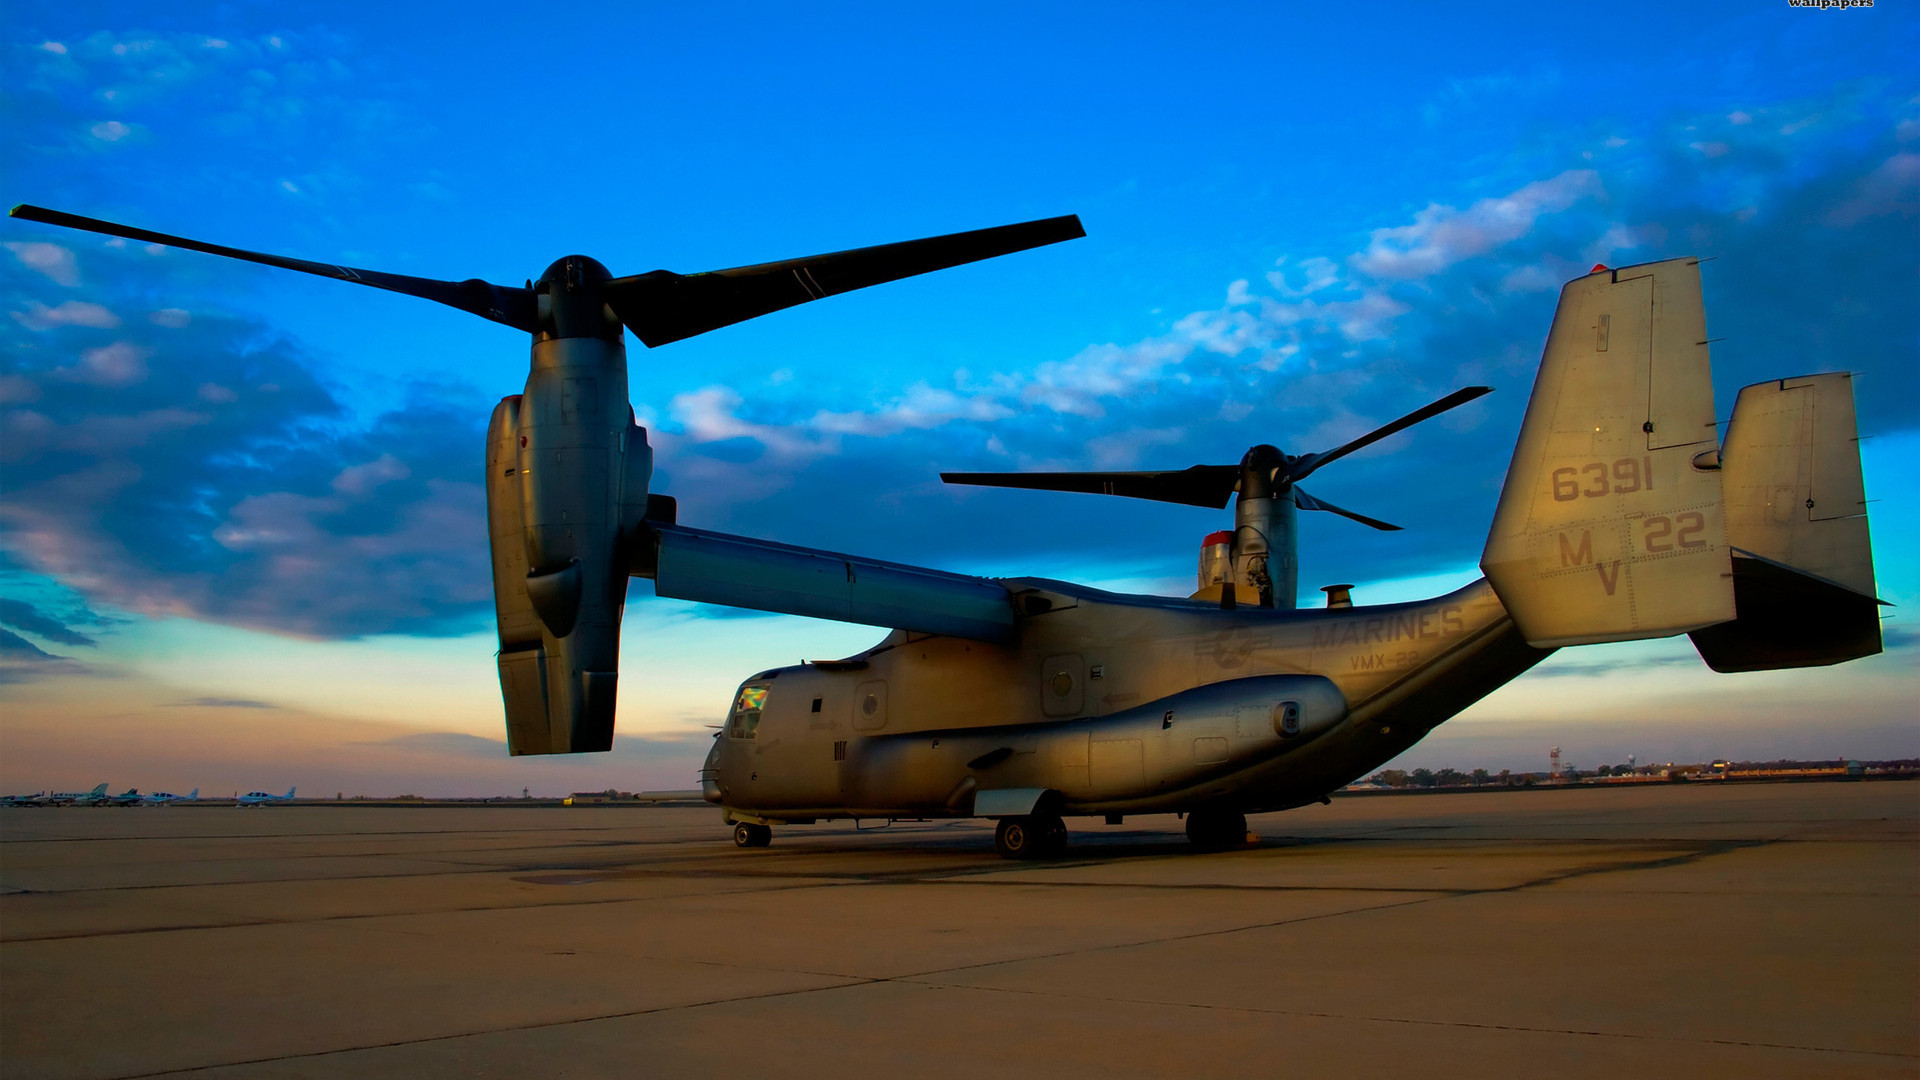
1063,690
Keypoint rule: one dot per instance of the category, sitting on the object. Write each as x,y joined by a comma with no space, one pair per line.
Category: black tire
1053,835
1217,830
1018,838
747,835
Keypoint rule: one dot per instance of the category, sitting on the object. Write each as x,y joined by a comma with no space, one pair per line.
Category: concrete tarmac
1750,930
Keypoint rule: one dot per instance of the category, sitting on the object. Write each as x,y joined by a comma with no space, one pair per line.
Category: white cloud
53,47
119,364
921,407
172,318
361,479
1363,318
1441,236
1317,273
1228,331
710,415
1892,188
18,388
1530,279
110,131
1620,237
39,316
1124,450
1101,371
52,260
1322,311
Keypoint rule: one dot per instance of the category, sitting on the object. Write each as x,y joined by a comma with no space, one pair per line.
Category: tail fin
191,795
289,793
98,789
1606,529
1797,521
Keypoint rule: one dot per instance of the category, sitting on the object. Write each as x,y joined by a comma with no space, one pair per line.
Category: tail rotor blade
662,306
1203,485
509,305
1306,465
1307,502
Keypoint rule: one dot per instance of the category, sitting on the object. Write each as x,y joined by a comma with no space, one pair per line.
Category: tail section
98,789
1607,529
191,795
1797,522
289,793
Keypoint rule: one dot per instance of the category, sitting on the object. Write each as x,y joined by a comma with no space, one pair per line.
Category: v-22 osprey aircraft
1623,516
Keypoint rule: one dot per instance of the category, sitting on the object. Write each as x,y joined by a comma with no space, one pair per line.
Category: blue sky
241,530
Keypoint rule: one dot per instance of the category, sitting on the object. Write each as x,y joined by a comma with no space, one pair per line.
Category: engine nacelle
567,474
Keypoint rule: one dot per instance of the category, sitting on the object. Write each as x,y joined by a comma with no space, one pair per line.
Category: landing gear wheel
1053,835
1030,837
747,835
1217,830
1016,838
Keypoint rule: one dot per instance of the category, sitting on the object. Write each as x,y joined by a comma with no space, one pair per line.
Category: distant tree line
1453,778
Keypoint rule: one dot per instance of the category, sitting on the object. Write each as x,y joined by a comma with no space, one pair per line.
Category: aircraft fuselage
1112,704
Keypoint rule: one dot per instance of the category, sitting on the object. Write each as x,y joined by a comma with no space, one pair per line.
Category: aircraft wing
739,571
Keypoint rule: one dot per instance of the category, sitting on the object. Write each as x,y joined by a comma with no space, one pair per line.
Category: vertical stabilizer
1797,522
1606,529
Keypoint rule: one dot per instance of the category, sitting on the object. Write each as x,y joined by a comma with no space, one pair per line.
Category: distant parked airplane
80,798
167,798
129,797
38,798
262,798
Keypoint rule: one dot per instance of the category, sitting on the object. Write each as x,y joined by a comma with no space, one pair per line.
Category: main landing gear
1217,830
1034,836
747,834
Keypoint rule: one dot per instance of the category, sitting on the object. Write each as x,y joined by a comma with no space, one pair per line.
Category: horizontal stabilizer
1606,528
1797,520
738,571
1789,619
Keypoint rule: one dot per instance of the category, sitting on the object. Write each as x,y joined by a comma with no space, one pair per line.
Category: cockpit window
745,719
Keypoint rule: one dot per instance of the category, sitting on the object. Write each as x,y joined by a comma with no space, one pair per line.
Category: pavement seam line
1412,1020
396,1043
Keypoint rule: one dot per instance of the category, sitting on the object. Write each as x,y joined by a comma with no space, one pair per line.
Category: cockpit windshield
745,718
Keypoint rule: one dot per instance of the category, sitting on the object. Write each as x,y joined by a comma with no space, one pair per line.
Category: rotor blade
1307,502
1306,465
503,304
662,306
1202,485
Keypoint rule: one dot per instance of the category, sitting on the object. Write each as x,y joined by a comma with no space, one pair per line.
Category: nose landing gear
747,835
